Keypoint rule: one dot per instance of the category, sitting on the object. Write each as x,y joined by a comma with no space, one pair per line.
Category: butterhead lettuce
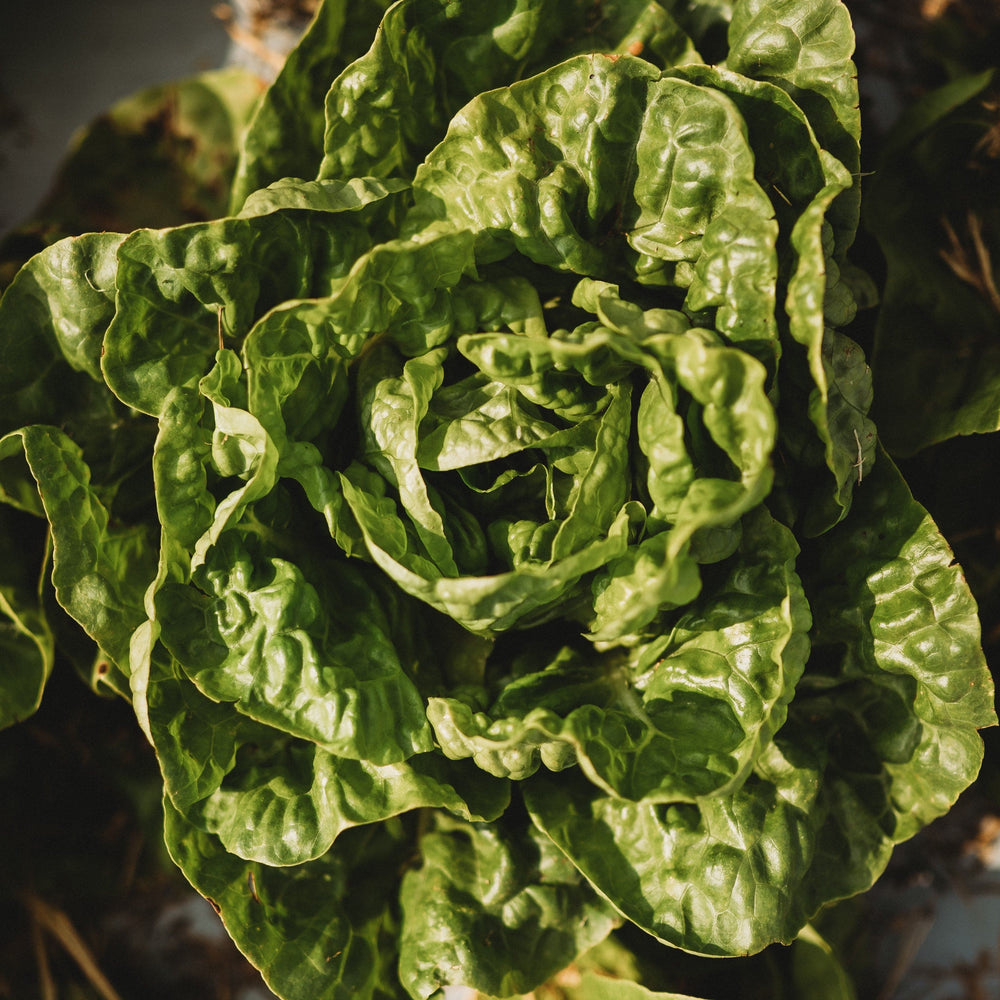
484,518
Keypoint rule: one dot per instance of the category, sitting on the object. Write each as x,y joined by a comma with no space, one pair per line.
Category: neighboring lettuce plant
162,157
933,208
484,518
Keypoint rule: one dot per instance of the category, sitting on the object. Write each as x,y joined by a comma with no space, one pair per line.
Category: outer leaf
179,290
530,915
99,572
881,737
288,806
26,644
57,309
805,47
391,106
893,604
319,931
313,658
816,970
285,136
52,320
281,801
320,196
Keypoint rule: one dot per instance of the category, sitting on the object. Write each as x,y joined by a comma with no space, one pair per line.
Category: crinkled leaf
549,183
837,388
389,108
287,805
309,655
57,309
497,911
99,570
183,291
480,603
728,385
285,135
321,196
805,47
323,930
709,694
881,737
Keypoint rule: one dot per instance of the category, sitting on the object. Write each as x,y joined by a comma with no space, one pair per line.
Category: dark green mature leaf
805,47
895,611
54,315
312,657
881,737
182,291
99,570
318,931
285,135
496,911
26,643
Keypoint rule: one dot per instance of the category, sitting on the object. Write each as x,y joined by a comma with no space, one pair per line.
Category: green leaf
183,292
816,970
805,47
285,135
703,701
308,654
52,322
881,737
321,196
837,388
555,195
483,604
288,806
594,986
391,106
99,571
896,612
26,642
319,931
496,911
